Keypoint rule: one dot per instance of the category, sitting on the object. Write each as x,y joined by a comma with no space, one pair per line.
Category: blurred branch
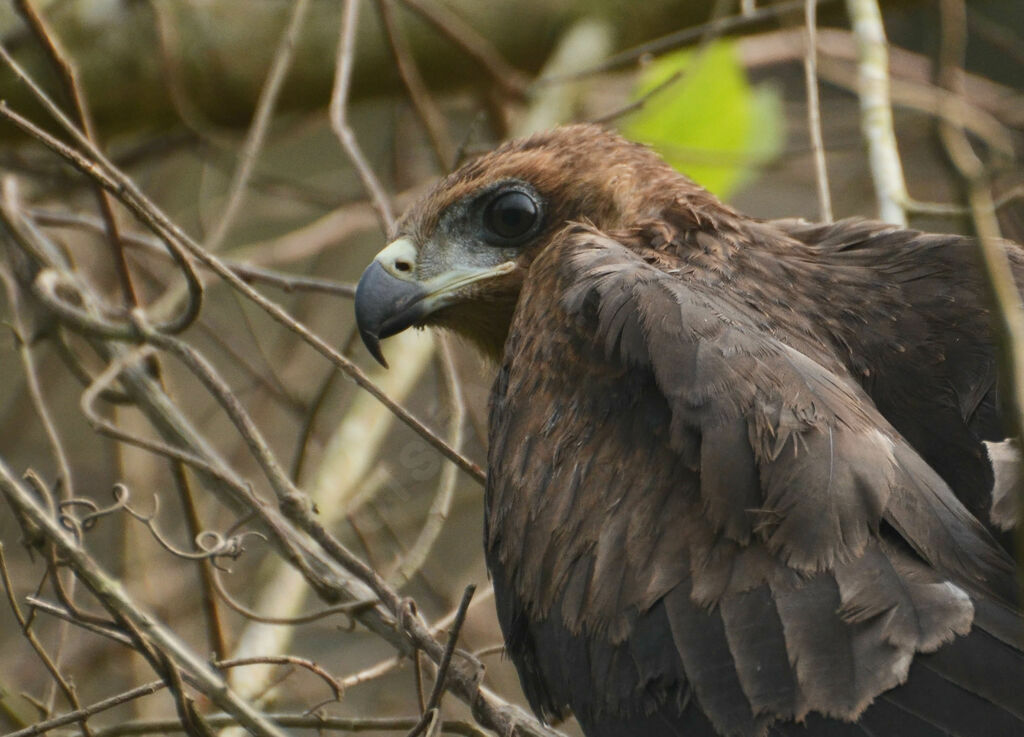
345,609
583,44
430,116
260,123
714,28
431,713
1002,286
437,515
470,42
876,109
984,108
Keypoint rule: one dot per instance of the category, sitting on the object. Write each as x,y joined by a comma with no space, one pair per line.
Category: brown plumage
738,481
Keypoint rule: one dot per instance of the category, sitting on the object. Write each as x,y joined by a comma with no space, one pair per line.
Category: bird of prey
738,471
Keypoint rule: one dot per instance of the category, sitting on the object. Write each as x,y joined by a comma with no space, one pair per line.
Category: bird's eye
510,215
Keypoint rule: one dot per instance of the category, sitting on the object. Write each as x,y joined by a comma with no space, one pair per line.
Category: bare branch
109,591
148,213
81,714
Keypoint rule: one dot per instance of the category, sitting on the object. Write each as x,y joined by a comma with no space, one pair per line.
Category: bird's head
459,256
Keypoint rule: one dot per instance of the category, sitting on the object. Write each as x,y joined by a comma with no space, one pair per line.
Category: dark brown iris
510,215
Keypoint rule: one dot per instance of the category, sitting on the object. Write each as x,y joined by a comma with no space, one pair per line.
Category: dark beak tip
372,343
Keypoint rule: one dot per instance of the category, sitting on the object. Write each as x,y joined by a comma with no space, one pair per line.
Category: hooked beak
389,297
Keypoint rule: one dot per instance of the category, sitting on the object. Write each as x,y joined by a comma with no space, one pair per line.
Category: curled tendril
210,544
213,544
78,525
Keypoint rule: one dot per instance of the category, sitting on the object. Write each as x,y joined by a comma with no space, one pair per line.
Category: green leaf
707,120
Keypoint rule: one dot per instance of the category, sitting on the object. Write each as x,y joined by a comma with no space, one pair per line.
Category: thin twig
345,609
814,110
377,670
332,683
35,391
339,114
102,628
211,612
272,387
489,650
449,649
66,687
430,711
305,435
270,376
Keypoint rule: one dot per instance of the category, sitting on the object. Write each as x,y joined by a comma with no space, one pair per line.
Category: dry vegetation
208,483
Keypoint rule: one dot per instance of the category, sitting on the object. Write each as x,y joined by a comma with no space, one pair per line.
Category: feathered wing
694,524
931,366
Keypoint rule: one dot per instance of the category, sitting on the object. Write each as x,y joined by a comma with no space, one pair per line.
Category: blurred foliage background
221,112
